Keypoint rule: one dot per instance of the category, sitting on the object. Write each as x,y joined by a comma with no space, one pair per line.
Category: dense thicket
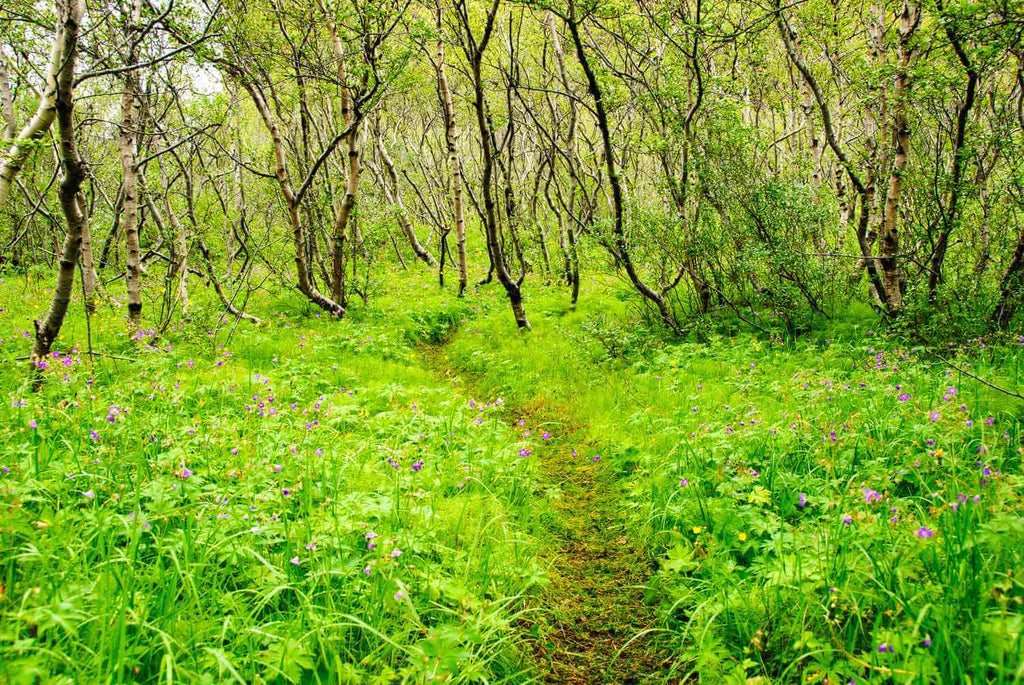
774,160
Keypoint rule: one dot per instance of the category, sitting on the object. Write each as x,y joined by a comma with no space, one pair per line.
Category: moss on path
594,626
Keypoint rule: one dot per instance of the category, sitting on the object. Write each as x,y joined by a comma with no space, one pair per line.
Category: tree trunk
305,282
394,196
451,139
114,229
893,278
215,282
864,220
129,170
90,281
341,221
238,194
573,270
621,249
48,326
476,53
6,102
951,215
22,145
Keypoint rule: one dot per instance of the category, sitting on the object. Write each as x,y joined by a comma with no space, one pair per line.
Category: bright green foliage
295,502
808,506
844,507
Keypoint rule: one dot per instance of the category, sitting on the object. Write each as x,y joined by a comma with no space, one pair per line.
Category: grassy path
595,627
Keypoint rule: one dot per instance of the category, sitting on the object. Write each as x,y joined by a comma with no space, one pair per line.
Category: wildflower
399,595
32,424
597,458
697,530
927,642
903,397
742,537
803,501
395,553
934,416
871,495
545,436
847,520
311,546
88,494
185,473
286,492
525,452
277,468
683,483
924,532
885,647
367,571
295,561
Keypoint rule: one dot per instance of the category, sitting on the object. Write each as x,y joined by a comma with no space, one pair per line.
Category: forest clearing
500,341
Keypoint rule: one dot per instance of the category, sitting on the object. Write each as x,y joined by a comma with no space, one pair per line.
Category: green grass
217,524
166,548
732,476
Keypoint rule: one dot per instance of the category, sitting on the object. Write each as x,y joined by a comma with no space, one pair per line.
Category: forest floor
415,494
597,627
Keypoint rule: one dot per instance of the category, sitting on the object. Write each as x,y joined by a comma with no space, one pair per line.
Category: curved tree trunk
305,282
21,147
48,326
394,196
215,282
621,249
475,52
951,214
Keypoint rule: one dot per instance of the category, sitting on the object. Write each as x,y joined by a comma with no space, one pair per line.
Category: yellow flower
742,537
697,530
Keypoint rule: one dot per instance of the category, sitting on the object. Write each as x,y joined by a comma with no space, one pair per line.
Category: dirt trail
596,627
